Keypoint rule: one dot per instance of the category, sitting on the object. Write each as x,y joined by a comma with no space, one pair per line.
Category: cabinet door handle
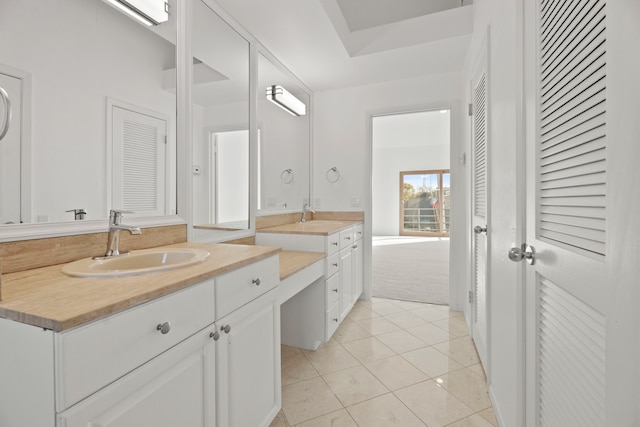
335,264
355,246
164,328
226,328
256,281
334,243
335,319
335,290
215,335
348,237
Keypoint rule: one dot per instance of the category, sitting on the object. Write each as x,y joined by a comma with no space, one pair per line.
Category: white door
582,150
230,178
480,205
10,137
139,165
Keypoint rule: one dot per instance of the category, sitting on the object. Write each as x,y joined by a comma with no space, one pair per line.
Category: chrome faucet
306,208
113,241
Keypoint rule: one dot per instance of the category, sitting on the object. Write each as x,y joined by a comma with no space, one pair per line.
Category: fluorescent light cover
283,99
148,12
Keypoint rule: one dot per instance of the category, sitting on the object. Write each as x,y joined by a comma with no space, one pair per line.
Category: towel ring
333,175
286,176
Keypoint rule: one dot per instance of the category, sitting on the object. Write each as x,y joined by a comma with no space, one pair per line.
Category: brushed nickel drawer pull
164,328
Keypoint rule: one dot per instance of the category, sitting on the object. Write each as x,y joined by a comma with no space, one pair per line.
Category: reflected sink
139,262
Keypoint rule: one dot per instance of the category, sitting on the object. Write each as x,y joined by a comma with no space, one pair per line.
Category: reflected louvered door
139,162
480,182
566,213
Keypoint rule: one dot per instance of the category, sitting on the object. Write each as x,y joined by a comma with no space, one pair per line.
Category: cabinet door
174,389
357,262
346,282
248,364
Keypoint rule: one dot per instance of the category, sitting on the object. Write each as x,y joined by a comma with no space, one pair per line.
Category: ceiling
333,44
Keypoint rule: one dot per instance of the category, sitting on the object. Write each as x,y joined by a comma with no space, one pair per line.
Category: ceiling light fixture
285,100
147,12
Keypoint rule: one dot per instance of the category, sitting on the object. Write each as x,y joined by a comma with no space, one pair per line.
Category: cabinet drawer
94,355
358,231
333,243
346,238
333,264
238,287
333,289
333,319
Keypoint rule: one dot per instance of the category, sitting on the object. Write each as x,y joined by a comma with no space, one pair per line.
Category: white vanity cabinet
248,348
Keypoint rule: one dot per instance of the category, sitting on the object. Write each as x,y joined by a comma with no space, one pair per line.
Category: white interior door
480,205
10,137
569,211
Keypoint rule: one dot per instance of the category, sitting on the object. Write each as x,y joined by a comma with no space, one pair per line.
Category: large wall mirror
220,134
283,139
93,111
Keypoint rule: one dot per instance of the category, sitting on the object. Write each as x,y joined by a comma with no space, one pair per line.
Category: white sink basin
139,262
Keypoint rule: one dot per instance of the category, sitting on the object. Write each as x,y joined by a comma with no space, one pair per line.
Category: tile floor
391,363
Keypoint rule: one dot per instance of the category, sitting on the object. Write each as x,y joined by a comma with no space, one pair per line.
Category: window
425,203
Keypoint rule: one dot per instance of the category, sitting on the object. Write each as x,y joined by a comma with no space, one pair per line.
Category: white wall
341,132
407,142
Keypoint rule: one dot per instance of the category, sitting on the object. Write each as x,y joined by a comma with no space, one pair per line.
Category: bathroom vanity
194,346
323,305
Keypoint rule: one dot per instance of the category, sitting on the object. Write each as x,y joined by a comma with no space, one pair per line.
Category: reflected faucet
306,208
113,241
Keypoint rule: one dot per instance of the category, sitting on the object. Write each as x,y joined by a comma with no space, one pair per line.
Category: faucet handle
115,215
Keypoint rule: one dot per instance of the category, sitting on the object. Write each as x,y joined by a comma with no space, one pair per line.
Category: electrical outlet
355,202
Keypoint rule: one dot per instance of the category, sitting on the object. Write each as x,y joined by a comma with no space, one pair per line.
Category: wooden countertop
316,227
47,298
293,261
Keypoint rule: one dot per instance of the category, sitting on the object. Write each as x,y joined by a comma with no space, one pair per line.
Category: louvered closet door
566,213
139,162
480,185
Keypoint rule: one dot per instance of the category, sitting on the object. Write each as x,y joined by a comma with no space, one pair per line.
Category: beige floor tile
377,325
430,333
307,400
401,341
405,319
339,418
280,421
331,358
349,331
384,308
462,350
490,416
434,405
286,351
455,325
354,385
360,312
431,361
478,369
467,386
395,372
297,368
430,314
384,411
474,420
368,349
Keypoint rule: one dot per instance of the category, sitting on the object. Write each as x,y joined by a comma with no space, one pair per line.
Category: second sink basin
139,262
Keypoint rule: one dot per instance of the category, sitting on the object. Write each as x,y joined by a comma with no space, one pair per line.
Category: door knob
477,229
524,252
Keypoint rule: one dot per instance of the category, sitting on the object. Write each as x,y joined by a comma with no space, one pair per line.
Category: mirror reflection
283,140
220,94
93,112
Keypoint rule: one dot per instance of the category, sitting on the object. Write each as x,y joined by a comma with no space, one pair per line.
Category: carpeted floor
411,268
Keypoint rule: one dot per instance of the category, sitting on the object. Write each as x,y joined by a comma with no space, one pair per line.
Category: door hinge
470,109
470,296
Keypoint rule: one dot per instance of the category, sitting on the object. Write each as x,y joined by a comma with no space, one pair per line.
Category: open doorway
410,206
